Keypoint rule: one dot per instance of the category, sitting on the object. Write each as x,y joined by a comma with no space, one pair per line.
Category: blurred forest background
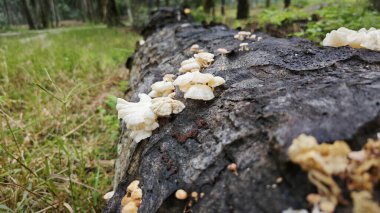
61,69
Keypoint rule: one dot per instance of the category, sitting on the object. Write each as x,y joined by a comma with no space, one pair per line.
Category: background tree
242,9
222,5
28,14
286,3
376,4
209,6
267,3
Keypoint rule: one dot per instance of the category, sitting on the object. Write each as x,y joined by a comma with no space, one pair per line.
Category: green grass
58,122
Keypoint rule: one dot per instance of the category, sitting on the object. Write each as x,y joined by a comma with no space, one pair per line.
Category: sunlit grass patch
58,124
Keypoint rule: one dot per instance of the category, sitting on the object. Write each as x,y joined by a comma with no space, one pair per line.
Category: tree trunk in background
7,12
128,3
209,7
167,3
158,3
376,4
222,9
267,3
45,13
28,15
286,3
112,14
243,9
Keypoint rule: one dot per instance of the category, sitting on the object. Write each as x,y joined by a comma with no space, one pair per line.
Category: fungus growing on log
165,106
242,35
204,58
162,88
139,117
243,47
359,169
132,199
198,86
369,39
195,48
190,65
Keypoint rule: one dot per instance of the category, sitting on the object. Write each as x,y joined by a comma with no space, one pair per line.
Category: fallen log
277,90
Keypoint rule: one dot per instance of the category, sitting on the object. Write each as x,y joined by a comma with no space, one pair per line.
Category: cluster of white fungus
163,88
368,39
199,86
242,35
195,48
141,117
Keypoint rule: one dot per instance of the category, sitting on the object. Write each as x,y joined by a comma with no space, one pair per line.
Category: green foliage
279,17
199,14
58,123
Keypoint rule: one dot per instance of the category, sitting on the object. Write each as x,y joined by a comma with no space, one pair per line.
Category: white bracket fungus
195,48
139,117
222,51
163,88
190,65
198,86
369,39
165,106
204,59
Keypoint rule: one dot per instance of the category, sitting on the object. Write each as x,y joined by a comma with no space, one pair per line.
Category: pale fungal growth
222,51
204,59
242,35
323,162
369,39
190,65
243,47
253,37
232,167
108,195
132,199
141,42
195,48
163,88
165,106
181,194
198,86
139,117
259,38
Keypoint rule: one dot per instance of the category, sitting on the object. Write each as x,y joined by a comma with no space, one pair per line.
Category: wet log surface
277,90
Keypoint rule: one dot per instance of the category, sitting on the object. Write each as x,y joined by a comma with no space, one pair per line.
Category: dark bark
286,3
277,90
28,15
158,3
242,9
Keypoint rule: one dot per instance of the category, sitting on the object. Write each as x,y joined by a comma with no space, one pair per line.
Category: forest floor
58,125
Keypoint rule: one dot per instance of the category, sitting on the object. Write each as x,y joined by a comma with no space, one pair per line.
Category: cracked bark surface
274,92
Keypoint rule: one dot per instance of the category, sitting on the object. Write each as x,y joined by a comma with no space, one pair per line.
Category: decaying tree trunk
277,90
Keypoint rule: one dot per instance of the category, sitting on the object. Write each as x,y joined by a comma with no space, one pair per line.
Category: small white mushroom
259,38
252,37
181,194
222,51
195,48
199,92
165,106
141,42
108,195
190,65
242,35
243,47
204,58
162,88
